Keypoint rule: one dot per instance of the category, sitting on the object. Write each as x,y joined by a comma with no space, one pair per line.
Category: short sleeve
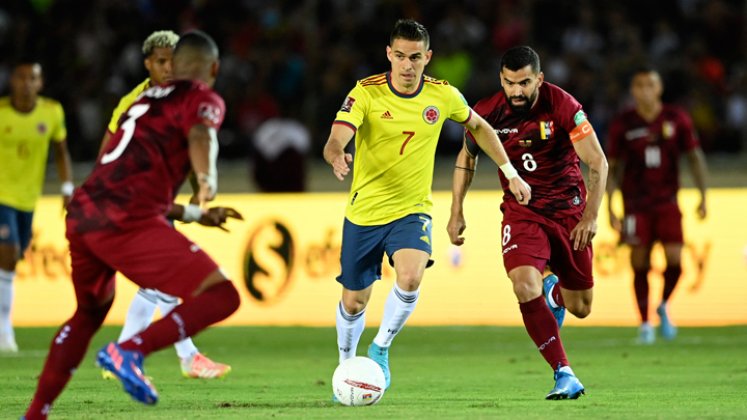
460,111
354,108
568,111
60,129
205,107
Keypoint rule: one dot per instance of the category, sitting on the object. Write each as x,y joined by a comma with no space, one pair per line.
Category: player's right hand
520,189
340,165
455,228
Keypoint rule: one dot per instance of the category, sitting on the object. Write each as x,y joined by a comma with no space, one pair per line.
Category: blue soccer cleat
380,355
127,366
558,311
668,331
567,386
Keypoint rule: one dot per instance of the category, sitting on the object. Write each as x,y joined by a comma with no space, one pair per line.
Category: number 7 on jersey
410,135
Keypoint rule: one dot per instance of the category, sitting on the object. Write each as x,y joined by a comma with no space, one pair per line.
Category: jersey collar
400,94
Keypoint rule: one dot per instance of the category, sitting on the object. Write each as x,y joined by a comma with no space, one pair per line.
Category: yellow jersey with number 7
395,145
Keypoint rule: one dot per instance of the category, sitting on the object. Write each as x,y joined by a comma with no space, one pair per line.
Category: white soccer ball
358,381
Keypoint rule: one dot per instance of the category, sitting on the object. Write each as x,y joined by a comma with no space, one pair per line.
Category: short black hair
517,58
641,69
410,30
197,40
25,60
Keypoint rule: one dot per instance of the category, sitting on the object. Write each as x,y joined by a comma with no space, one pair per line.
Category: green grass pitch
440,372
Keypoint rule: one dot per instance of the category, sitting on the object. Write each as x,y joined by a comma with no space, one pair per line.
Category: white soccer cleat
646,334
199,366
8,345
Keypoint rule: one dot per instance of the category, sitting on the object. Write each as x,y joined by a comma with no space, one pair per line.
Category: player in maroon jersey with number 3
644,146
117,222
544,131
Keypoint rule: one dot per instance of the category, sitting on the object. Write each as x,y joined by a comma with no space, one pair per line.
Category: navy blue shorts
363,247
15,227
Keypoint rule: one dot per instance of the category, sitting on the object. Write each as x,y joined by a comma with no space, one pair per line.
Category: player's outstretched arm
334,150
464,171
203,154
590,152
212,217
700,172
491,145
64,170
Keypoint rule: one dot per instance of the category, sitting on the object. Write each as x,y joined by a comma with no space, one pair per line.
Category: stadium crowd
297,59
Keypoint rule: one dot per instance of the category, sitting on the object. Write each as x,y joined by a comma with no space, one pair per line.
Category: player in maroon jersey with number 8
544,131
117,222
644,146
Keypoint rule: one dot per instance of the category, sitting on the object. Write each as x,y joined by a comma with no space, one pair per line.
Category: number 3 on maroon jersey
128,127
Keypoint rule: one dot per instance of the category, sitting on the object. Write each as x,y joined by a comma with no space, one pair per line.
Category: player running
644,147
116,222
158,50
396,118
547,131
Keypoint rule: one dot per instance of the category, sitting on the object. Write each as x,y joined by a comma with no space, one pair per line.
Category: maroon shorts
151,253
663,223
529,238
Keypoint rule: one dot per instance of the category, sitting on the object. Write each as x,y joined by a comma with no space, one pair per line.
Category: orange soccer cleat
199,366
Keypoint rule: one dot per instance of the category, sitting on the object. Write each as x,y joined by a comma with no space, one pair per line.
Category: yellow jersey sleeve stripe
354,128
125,103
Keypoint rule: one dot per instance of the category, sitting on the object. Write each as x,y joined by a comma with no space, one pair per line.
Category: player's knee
580,308
354,305
230,298
409,280
526,290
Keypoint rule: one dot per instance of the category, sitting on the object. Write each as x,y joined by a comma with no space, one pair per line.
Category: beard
526,106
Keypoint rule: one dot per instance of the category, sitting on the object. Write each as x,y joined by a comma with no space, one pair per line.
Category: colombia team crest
431,114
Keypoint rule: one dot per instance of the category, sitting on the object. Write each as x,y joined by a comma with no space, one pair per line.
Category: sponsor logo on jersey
576,200
667,130
579,117
525,142
41,128
387,116
431,114
510,248
347,105
546,128
636,133
209,112
500,131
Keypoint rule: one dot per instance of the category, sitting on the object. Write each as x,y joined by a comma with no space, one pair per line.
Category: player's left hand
583,233
520,189
217,216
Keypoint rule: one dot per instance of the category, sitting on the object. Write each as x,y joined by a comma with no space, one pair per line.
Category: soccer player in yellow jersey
396,118
28,124
158,49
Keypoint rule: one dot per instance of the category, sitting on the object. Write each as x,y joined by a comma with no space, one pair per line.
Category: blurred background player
158,49
396,118
546,132
28,124
116,222
644,147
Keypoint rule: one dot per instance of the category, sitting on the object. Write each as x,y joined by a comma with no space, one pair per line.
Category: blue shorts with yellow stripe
363,247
